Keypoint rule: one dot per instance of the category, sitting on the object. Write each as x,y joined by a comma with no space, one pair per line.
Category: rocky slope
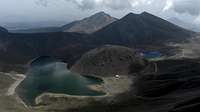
90,24
109,61
19,49
141,29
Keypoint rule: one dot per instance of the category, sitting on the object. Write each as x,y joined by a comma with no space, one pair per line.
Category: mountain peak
101,13
141,29
90,24
145,13
3,30
131,14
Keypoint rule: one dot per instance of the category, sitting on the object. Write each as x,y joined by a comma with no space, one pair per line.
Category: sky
70,10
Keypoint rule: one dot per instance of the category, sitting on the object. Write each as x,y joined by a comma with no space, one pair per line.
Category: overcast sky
69,10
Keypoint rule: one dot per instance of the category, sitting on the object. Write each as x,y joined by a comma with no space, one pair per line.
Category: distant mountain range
12,26
37,30
134,30
3,30
87,25
189,26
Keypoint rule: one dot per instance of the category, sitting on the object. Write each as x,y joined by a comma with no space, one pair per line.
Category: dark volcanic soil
175,88
110,60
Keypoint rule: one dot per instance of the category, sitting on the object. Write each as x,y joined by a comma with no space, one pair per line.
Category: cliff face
110,60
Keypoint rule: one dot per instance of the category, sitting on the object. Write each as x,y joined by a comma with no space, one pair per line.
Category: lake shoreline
112,86
18,79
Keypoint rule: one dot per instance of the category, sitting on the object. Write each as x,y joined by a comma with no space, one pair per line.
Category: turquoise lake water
151,55
47,75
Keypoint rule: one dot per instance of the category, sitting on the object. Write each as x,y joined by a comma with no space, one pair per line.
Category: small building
117,76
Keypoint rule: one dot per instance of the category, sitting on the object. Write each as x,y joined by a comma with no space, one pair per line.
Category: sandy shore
11,91
113,86
18,79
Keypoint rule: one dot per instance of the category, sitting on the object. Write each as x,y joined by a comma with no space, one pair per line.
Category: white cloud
134,3
197,20
62,9
169,4
116,4
191,7
112,4
85,4
42,2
